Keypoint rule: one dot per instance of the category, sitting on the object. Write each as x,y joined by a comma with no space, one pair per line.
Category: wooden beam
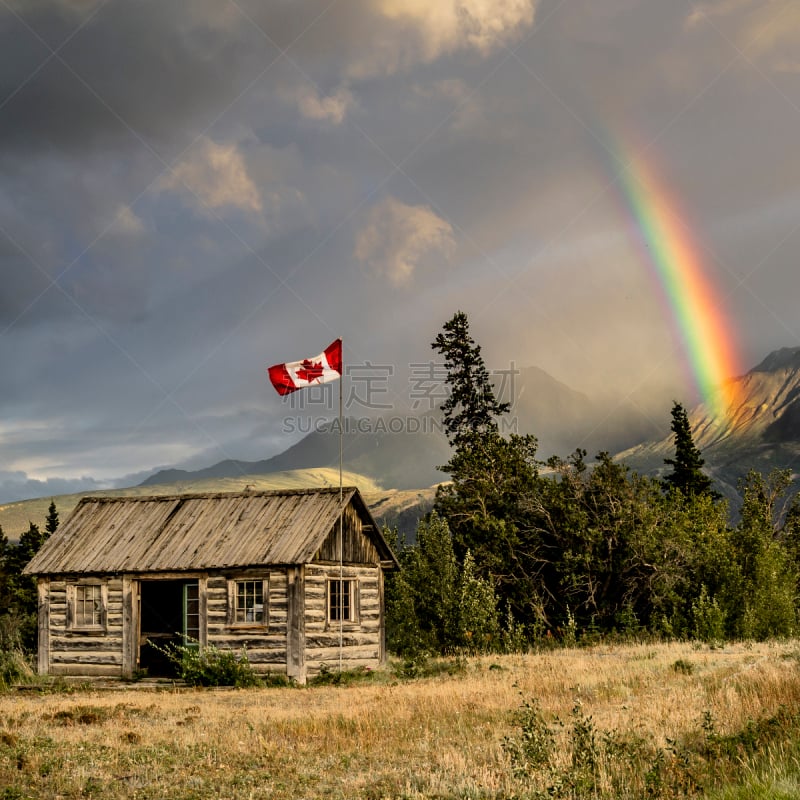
296,633
130,636
43,595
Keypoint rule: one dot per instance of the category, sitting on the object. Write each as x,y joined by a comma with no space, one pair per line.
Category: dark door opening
169,614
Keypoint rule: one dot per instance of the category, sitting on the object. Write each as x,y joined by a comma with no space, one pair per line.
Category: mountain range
407,457
397,470
761,430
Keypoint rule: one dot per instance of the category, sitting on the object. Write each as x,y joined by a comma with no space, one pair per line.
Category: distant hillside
762,430
404,460
391,507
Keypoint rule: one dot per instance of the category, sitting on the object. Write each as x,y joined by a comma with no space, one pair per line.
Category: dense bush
211,666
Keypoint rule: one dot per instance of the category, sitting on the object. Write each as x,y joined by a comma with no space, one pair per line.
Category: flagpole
341,525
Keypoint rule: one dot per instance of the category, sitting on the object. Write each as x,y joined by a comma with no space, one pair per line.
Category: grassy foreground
630,721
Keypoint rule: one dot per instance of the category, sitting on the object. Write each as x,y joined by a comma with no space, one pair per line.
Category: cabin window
247,602
87,605
343,600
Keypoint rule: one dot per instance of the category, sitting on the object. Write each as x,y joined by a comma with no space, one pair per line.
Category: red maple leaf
309,371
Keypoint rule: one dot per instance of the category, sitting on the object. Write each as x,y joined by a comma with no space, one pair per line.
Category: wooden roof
198,531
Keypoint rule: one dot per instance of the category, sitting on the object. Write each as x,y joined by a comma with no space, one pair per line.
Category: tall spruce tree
487,502
687,475
471,406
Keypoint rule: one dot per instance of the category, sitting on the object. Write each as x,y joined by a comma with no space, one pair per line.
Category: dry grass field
663,707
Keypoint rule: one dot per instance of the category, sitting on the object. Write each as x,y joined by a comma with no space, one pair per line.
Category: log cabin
296,577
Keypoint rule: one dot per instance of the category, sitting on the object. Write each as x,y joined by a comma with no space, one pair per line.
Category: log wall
266,647
297,639
74,652
361,640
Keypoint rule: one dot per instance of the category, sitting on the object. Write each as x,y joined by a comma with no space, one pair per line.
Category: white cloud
421,31
332,108
127,222
396,237
449,25
216,174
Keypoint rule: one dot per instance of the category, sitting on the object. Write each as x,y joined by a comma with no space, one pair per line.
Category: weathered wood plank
296,632
202,592
381,619
87,670
43,602
329,655
87,659
69,643
130,626
348,640
251,643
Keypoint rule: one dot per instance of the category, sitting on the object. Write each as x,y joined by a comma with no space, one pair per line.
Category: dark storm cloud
158,71
16,486
181,203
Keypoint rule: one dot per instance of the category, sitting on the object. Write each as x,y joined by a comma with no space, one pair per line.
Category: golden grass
435,737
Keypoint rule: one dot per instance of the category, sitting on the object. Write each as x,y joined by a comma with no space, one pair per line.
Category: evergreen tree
487,503
687,475
471,406
51,522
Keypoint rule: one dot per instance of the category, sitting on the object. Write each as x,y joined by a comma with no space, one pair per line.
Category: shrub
14,668
709,618
211,666
533,748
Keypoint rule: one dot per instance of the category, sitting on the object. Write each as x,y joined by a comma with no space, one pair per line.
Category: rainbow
706,336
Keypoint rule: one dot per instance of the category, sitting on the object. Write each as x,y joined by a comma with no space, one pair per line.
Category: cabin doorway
169,614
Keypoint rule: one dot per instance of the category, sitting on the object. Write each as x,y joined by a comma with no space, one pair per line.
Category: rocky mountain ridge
761,430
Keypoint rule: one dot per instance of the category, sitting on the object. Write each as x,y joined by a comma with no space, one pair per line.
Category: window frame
233,600
354,619
76,588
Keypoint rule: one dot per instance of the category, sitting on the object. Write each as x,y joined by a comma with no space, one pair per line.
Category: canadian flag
294,375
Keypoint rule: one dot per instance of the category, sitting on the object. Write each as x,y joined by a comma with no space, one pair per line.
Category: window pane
249,601
191,609
88,606
340,601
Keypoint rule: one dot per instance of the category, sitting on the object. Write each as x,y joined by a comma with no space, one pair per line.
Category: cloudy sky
191,191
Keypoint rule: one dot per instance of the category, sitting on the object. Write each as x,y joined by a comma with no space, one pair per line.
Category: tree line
519,550
18,595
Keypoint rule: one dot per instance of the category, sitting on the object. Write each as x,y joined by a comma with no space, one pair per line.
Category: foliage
210,665
768,570
328,676
708,618
477,617
573,550
51,522
14,668
436,605
613,764
533,748
18,595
